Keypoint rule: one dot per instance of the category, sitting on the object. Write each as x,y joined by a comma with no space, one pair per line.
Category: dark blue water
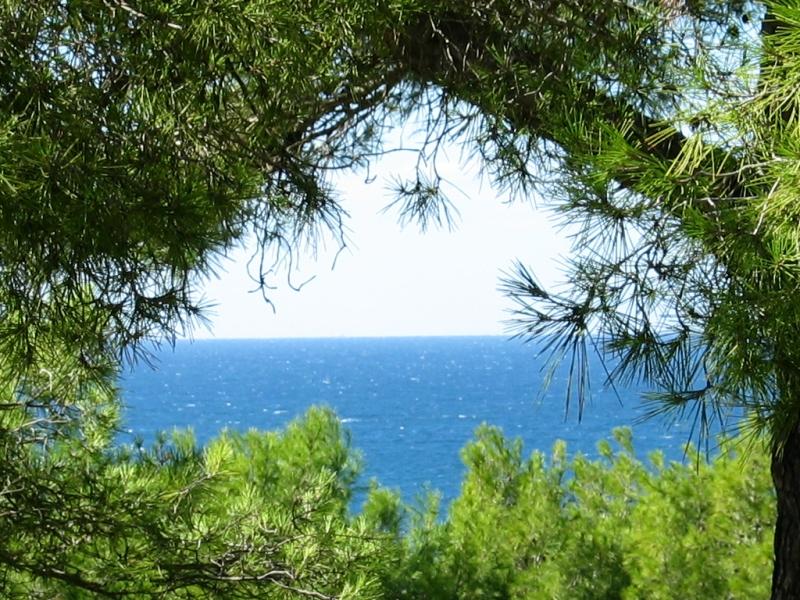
410,403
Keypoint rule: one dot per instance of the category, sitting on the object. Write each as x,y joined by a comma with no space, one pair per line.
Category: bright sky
393,280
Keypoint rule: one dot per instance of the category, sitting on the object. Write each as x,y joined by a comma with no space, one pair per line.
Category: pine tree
139,141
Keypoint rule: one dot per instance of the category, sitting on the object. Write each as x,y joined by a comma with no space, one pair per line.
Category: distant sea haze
410,404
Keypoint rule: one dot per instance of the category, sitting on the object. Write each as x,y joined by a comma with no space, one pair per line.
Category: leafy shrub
256,514
267,515
554,527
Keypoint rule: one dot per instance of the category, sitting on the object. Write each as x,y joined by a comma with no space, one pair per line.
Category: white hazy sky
394,280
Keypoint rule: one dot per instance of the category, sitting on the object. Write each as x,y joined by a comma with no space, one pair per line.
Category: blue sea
410,404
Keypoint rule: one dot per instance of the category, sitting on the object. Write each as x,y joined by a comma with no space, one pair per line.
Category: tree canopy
140,141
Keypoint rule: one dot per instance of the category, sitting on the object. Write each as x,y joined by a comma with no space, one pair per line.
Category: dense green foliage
139,141
266,515
571,527
253,514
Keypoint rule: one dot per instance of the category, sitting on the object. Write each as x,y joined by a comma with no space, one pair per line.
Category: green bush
268,515
554,527
256,514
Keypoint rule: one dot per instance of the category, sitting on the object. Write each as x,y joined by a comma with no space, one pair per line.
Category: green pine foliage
249,515
270,515
555,526
141,141
266,515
